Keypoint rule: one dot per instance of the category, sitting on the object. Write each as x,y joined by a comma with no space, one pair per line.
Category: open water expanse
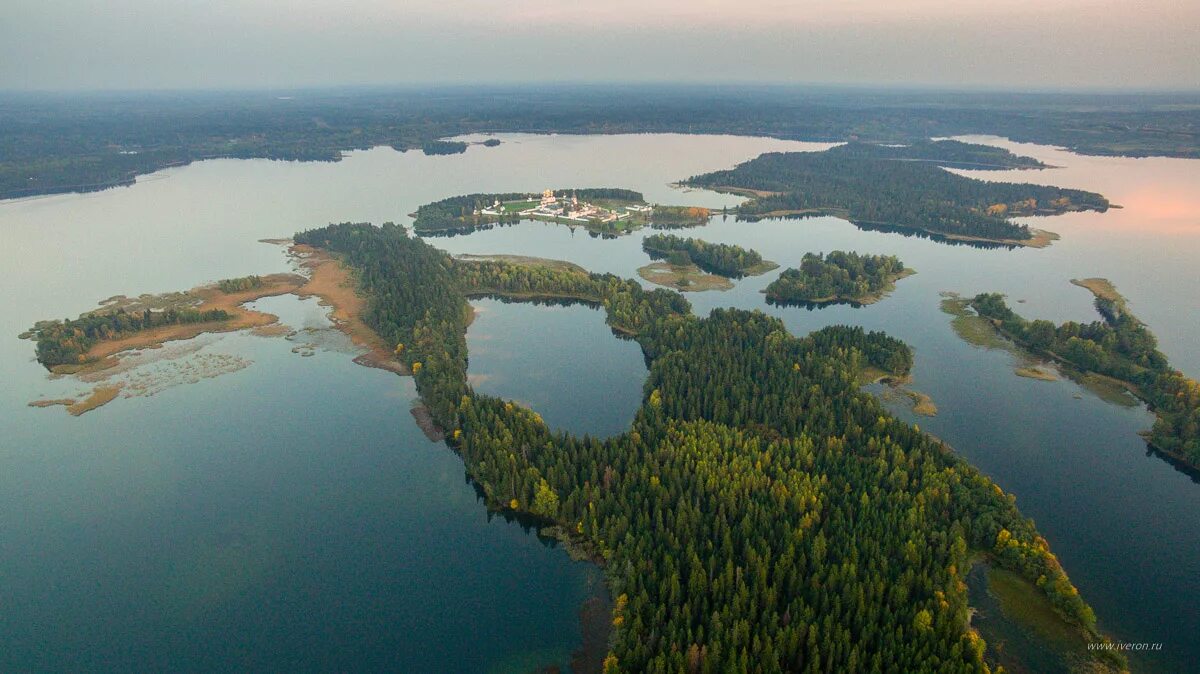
263,502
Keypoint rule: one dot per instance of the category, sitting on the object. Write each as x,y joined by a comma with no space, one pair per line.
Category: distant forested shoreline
51,143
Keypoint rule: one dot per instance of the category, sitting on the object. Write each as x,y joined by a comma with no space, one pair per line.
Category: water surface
166,523
283,511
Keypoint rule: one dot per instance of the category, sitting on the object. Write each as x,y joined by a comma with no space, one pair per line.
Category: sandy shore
686,278
333,284
204,298
326,279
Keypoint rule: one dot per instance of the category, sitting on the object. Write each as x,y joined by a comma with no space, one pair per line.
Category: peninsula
604,211
901,187
726,502
92,346
1119,348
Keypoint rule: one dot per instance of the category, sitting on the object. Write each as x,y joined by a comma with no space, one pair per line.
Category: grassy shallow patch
1100,287
971,327
685,278
1026,608
1033,372
525,260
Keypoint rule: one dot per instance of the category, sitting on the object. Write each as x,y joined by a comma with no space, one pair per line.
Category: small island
691,265
723,259
838,277
602,211
437,147
902,188
1119,349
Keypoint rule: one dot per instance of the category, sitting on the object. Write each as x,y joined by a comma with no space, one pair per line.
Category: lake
263,508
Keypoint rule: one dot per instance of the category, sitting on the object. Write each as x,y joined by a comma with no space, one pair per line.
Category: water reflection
560,359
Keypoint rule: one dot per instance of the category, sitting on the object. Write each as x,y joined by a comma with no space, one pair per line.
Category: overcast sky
138,44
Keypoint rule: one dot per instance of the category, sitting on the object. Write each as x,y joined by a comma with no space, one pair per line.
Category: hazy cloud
277,43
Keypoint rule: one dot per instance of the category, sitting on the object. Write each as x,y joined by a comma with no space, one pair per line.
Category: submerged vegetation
761,515
716,258
837,277
122,323
684,277
903,187
1119,347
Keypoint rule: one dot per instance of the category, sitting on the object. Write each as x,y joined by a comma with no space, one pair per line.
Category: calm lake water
290,513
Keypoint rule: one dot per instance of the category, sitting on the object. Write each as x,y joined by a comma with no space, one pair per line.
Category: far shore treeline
55,143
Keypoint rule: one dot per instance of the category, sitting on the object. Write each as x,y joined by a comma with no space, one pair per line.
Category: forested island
945,153
725,259
1119,347
436,147
762,513
689,264
904,188
60,143
837,277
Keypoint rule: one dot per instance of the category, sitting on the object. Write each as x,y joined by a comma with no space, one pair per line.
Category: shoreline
327,280
1039,238
334,286
1006,600
1106,291
105,354
667,275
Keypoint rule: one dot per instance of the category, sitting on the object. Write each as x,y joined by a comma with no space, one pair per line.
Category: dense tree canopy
55,143
838,276
434,147
233,285
887,186
948,153
762,514
716,258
